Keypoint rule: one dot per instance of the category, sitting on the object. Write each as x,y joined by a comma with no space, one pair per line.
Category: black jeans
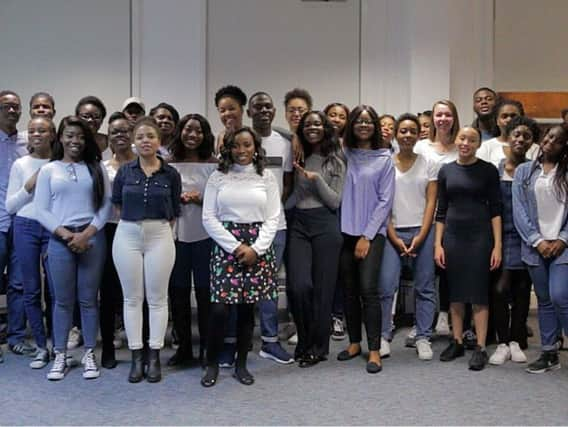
511,301
360,280
314,247
110,293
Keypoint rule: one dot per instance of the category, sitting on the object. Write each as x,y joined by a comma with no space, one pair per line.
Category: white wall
67,48
530,45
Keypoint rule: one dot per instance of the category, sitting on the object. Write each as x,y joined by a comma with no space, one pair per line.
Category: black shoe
243,376
108,358
309,360
453,351
154,373
137,366
209,379
548,361
374,368
469,340
345,355
478,359
181,357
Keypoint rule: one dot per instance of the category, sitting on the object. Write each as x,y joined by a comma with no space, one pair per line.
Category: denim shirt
141,197
525,215
512,242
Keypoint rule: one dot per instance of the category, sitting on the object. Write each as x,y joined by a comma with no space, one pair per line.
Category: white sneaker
75,339
424,349
517,355
501,355
59,367
41,359
293,340
90,367
442,326
385,350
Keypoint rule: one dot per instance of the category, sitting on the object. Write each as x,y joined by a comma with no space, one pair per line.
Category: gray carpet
407,392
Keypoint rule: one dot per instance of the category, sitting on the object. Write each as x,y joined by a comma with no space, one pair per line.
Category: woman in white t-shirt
410,234
30,238
496,149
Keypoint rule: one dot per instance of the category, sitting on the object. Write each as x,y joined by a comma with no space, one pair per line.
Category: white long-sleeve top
241,196
64,196
18,200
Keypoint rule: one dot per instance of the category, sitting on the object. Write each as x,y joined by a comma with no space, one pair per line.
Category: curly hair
229,143
205,149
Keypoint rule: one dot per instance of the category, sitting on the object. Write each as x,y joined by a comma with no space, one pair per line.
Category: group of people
121,224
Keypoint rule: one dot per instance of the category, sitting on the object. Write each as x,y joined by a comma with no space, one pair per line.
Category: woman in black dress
468,239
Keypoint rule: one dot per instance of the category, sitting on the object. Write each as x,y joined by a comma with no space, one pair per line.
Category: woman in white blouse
241,207
30,238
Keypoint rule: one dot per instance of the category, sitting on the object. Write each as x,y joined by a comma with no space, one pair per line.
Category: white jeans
144,255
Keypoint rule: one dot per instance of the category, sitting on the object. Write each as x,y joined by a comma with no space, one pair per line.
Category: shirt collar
136,165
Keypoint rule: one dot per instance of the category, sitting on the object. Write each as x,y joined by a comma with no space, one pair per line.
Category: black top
142,197
468,195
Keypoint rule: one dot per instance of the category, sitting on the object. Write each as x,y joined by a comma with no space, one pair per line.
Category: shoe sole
542,371
266,355
518,360
91,376
226,365
338,338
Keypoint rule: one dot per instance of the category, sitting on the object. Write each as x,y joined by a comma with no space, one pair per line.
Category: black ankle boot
108,358
182,357
154,373
137,367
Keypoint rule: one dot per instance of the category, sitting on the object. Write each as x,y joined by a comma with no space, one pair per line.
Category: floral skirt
236,283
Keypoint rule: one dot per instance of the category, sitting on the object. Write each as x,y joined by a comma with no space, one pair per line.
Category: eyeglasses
364,122
88,117
71,172
7,107
296,110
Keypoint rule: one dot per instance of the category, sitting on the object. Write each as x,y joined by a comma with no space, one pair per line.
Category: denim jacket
525,215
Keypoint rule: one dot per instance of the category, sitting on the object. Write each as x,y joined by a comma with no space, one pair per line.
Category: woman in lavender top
365,208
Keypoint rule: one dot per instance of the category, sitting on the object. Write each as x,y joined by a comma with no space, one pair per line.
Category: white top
107,154
410,192
111,172
550,210
64,196
279,160
428,149
492,151
189,226
241,196
18,200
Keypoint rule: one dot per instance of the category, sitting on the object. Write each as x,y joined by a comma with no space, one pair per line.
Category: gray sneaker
41,359
59,367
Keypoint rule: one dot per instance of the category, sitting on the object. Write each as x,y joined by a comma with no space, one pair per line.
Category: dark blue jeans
14,290
30,246
76,276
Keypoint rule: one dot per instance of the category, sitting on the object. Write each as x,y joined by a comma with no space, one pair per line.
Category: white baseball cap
133,100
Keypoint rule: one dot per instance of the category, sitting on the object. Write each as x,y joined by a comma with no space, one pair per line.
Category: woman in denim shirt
513,285
540,191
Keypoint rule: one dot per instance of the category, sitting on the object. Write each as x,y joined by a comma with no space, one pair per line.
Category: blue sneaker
274,351
227,355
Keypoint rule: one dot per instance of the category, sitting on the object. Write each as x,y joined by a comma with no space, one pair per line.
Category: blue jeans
551,288
268,309
14,290
424,281
76,276
30,246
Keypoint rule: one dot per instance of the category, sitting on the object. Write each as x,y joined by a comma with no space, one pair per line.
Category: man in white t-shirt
278,151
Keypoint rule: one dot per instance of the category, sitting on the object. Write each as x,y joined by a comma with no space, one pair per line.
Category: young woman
337,114
513,285
147,193
192,156
119,138
540,198
425,119
365,208
440,147
468,221
386,122
72,199
93,111
315,239
167,118
241,208
29,237
230,102
410,235
496,149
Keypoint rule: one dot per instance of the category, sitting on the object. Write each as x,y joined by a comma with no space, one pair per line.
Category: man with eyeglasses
12,146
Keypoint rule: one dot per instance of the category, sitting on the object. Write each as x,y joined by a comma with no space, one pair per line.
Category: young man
12,146
484,101
278,149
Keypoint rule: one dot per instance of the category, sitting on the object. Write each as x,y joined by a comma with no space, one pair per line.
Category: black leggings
513,288
219,313
360,279
111,299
